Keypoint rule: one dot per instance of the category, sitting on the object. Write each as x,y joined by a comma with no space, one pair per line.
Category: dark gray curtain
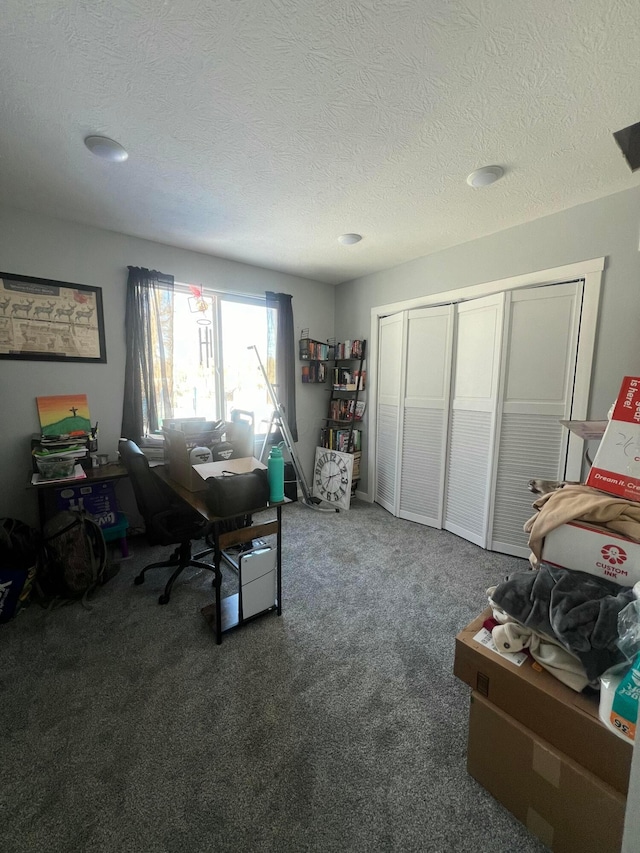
285,357
148,381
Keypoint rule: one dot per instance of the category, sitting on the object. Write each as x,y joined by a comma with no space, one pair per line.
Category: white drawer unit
257,571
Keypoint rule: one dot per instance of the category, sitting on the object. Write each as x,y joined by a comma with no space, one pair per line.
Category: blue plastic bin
118,533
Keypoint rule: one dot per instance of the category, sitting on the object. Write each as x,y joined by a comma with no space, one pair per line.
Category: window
214,369
194,352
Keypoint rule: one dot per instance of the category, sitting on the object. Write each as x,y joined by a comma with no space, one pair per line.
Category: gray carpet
337,727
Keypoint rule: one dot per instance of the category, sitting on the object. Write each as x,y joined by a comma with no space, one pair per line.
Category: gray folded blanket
578,609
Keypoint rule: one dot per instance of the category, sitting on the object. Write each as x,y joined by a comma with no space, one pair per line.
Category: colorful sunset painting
66,414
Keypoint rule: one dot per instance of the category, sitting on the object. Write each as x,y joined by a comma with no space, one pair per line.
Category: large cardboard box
567,720
568,808
178,446
595,550
616,467
181,470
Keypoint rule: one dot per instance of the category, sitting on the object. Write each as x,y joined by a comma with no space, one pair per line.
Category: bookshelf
342,429
314,356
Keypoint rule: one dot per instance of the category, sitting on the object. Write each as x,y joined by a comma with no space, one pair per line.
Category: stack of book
313,350
348,380
314,372
346,410
349,349
338,439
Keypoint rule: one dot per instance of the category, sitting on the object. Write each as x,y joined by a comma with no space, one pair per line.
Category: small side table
224,613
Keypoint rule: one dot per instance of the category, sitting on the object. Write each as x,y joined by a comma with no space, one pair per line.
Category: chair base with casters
168,520
181,559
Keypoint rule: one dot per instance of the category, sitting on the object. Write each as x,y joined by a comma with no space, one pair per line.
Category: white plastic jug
199,455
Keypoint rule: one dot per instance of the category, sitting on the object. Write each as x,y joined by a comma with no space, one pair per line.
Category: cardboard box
178,446
594,550
567,720
568,808
616,467
177,450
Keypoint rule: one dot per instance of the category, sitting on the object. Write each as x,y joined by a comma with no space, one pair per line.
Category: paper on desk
78,474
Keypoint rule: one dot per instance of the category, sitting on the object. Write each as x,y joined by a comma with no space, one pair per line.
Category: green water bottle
275,474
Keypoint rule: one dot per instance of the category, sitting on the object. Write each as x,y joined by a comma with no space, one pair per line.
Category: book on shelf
314,372
311,350
349,349
344,440
346,410
348,380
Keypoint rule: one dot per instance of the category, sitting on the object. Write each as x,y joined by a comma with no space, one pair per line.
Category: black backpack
75,556
19,549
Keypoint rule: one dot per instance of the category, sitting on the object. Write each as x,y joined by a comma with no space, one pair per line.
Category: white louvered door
425,414
537,393
469,402
390,372
476,375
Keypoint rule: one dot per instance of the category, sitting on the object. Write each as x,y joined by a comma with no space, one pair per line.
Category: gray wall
609,227
45,247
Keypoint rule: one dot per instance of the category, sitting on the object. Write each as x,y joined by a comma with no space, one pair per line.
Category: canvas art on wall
64,414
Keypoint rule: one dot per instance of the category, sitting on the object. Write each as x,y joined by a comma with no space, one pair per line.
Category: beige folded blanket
573,503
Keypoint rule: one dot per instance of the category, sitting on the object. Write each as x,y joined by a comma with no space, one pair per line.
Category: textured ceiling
260,130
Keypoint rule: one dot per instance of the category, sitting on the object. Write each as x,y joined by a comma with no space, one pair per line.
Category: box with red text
594,550
616,468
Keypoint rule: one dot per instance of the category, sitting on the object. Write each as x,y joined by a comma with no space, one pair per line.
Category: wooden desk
112,471
225,614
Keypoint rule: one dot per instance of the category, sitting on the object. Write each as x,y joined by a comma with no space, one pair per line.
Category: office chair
168,521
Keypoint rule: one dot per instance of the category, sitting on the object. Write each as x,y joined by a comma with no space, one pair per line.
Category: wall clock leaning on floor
332,474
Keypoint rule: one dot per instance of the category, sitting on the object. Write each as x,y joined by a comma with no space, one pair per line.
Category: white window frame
218,359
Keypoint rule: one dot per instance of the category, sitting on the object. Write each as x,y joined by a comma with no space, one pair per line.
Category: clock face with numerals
332,477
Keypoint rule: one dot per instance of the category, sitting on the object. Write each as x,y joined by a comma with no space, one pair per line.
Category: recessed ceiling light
349,239
106,148
485,176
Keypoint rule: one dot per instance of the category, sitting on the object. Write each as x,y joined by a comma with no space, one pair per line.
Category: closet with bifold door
469,399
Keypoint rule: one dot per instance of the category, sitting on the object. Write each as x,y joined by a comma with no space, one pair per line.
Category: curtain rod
182,286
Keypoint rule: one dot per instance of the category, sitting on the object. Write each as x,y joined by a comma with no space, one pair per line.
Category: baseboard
364,496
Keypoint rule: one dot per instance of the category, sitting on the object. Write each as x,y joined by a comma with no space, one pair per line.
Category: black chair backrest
152,495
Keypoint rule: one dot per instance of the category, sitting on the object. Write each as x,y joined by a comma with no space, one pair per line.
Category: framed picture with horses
44,320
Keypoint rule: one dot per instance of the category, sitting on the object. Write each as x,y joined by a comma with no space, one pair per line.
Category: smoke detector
485,176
